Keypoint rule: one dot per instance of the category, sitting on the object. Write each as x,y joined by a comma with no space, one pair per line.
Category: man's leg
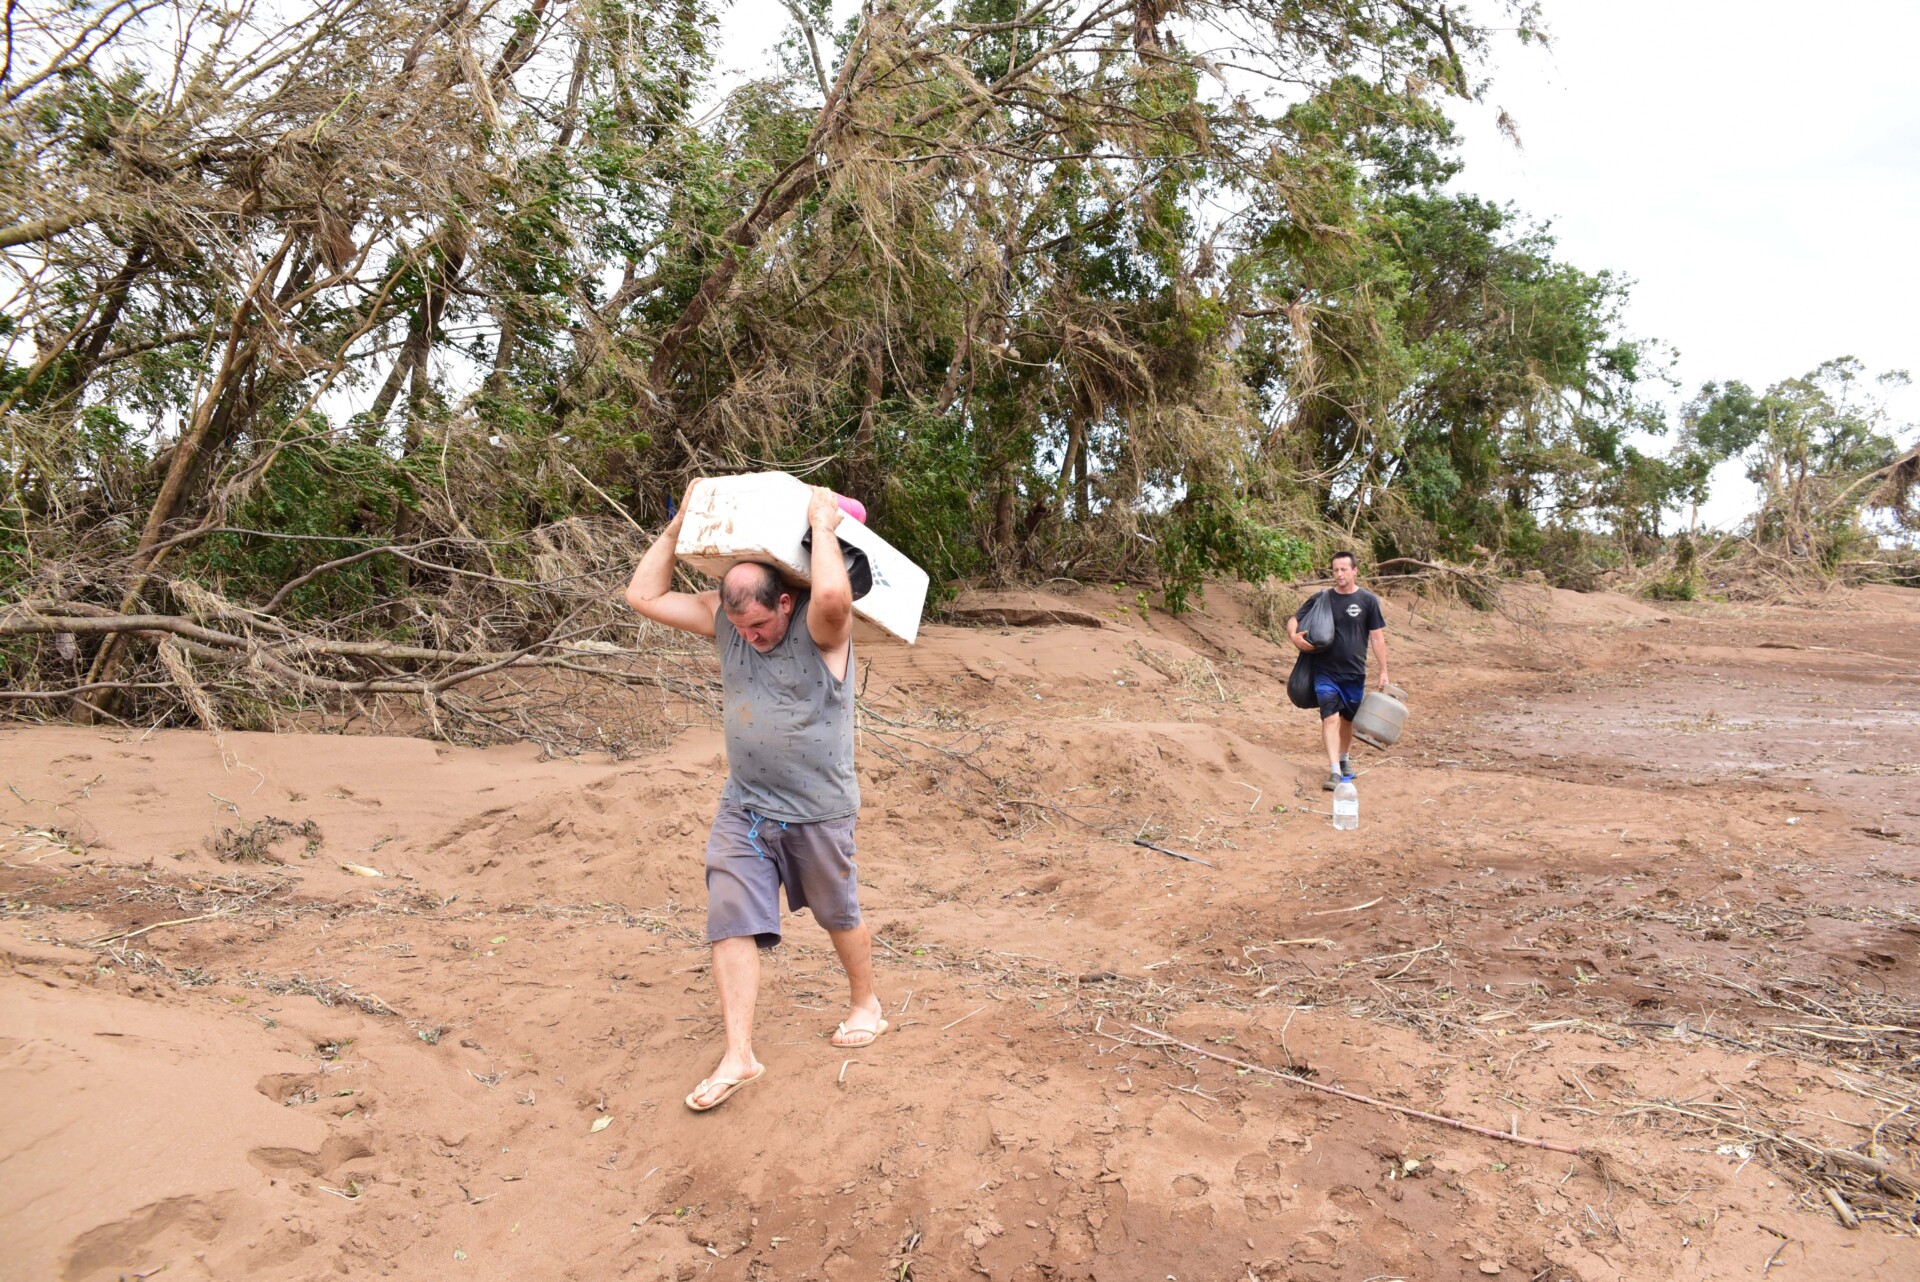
736,977
1327,691
743,907
1331,730
855,947
1351,696
827,881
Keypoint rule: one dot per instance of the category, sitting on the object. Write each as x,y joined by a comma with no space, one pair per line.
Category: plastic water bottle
1346,804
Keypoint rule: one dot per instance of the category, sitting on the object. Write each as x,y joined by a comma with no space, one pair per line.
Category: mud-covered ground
1640,881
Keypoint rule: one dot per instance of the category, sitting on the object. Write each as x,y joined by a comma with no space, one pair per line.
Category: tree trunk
1068,482
799,180
410,369
496,381
950,385
94,341
237,360
185,464
1003,514
396,377
1085,495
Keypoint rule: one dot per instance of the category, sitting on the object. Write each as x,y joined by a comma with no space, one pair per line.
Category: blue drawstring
753,833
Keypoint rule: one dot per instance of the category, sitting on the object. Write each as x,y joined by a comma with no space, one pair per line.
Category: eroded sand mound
1640,881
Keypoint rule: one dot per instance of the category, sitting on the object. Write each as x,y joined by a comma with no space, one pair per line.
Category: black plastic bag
1300,683
859,570
1316,621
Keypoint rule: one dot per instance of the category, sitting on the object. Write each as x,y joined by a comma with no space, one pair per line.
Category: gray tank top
789,725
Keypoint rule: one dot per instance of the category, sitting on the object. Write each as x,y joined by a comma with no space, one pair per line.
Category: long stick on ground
1488,1131
1192,859
135,934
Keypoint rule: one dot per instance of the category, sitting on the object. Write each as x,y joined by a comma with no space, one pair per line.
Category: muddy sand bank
1641,880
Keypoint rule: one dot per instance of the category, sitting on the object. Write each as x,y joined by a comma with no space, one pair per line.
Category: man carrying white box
787,815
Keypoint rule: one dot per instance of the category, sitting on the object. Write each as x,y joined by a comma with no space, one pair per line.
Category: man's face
763,628
1344,575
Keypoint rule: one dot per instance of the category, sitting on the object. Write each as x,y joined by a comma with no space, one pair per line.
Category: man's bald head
750,583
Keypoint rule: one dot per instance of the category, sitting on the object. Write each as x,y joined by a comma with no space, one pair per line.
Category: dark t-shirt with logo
1355,616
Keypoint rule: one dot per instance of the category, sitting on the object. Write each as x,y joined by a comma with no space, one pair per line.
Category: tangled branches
460,638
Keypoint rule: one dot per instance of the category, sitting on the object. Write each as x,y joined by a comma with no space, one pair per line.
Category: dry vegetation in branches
338,342
544,660
326,327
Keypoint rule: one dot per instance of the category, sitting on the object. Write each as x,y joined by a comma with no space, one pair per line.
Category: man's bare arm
1294,635
830,608
1380,652
651,592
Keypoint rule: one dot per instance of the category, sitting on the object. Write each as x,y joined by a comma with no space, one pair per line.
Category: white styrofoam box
762,516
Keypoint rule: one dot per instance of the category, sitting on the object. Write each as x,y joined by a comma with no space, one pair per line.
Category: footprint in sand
147,1237
288,1088
333,1155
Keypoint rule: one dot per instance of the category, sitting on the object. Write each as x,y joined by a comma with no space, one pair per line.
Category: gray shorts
750,857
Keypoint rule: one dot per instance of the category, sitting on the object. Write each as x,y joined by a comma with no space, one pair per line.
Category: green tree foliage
1825,456
1441,377
1055,287
1211,532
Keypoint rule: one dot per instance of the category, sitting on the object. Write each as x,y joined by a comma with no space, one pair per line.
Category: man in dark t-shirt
1340,670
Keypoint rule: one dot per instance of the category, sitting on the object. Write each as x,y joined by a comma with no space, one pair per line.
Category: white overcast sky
1752,166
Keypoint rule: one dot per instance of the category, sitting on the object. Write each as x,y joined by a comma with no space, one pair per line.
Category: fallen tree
555,659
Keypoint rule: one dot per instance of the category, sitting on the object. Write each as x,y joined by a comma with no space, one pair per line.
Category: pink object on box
853,508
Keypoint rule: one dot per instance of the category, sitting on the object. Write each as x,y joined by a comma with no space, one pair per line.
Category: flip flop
728,1084
871,1035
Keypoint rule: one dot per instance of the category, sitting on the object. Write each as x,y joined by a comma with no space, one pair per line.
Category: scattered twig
1679,1030
1858,1163
963,1019
1192,859
1295,1080
1328,912
135,934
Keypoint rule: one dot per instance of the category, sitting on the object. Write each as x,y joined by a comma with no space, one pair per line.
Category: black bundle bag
1300,683
860,570
1316,620
1316,625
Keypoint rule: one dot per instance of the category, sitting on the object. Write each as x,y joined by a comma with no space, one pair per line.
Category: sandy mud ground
1640,881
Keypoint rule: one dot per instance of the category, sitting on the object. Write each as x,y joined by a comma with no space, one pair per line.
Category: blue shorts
750,858
1338,696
